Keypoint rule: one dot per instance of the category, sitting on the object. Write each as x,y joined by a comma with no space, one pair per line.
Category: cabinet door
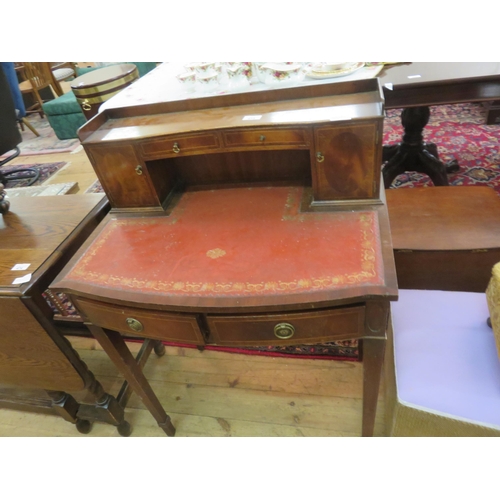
346,161
124,178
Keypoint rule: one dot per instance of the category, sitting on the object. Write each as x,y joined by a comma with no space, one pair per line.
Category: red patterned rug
460,133
46,170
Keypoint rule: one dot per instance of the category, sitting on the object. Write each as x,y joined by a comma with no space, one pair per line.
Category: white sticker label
20,267
23,279
252,117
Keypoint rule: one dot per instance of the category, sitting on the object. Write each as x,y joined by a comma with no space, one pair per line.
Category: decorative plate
335,74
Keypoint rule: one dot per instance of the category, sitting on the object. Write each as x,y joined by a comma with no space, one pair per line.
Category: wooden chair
38,77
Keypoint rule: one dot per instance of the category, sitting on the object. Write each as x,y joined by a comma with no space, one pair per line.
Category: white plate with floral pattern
335,74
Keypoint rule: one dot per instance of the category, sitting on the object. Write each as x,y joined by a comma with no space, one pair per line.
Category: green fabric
82,71
62,105
144,67
66,126
64,115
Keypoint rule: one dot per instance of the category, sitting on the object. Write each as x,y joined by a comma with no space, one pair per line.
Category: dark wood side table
39,370
417,86
445,239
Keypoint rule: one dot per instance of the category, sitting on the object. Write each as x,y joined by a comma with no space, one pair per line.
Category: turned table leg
413,154
115,347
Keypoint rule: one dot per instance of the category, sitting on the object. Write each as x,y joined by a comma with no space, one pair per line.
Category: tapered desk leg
373,359
373,350
115,347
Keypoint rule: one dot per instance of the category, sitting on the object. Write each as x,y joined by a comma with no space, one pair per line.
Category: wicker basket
493,298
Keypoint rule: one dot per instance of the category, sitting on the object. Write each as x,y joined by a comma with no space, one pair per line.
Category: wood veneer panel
28,356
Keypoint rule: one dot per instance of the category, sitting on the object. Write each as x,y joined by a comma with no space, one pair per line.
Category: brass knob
134,324
319,157
284,330
176,148
262,138
86,106
138,170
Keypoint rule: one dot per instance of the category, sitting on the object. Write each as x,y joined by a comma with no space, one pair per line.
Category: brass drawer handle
134,324
262,138
284,331
86,106
176,148
319,157
138,170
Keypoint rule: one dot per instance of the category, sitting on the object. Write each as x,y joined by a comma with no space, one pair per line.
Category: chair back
38,73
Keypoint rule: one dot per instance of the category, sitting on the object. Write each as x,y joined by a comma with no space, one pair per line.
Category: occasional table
417,86
95,87
445,239
254,218
39,370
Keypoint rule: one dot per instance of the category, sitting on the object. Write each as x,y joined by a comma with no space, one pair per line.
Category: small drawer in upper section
263,137
179,145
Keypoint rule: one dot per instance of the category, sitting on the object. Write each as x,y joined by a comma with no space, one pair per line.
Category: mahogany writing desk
224,232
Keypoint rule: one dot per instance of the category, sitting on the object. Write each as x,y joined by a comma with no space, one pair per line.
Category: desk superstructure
243,219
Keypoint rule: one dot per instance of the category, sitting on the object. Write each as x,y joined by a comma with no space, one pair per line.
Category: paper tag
20,267
252,117
23,279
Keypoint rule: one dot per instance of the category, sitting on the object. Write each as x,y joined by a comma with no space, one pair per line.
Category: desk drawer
266,137
179,146
288,329
150,324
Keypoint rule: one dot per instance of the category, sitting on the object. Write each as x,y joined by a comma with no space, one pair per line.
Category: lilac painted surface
445,354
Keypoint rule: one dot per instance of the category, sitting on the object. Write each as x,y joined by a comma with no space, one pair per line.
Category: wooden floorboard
221,394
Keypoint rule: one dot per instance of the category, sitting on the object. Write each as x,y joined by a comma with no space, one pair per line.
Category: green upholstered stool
64,115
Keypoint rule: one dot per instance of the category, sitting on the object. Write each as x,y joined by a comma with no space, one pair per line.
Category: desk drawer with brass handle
158,325
266,137
288,329
179,146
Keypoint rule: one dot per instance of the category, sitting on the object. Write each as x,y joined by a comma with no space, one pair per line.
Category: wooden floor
220,394
212,393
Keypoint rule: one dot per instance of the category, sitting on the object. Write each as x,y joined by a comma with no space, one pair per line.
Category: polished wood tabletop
32,231
433,83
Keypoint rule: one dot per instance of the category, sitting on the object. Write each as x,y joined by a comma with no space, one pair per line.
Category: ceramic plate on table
334,74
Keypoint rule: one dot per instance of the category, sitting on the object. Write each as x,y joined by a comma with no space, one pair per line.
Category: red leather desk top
235,242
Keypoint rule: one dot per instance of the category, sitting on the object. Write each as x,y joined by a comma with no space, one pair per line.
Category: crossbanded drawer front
266,137
179,146
288,329
157,325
